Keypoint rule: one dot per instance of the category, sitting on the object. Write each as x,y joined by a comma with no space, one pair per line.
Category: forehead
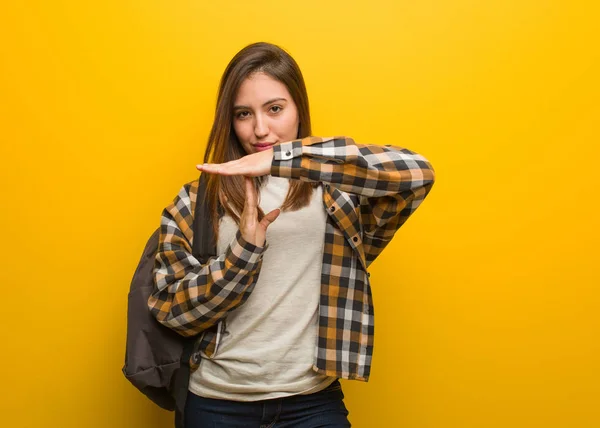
260,87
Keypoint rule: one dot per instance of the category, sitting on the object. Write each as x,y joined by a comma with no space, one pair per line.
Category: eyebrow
265,104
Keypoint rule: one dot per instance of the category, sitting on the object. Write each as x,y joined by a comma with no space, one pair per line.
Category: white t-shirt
267,349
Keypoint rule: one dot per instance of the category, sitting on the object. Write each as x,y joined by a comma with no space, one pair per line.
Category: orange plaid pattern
369,192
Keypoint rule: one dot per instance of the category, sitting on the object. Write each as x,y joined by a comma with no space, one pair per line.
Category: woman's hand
252,230
253,165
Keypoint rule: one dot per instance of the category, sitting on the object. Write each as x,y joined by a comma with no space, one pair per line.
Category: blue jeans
322,409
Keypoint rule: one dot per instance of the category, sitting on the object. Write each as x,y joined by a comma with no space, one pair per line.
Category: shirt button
355,239
332,209
288,153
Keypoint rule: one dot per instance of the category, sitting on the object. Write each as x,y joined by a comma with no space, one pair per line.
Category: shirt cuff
287,159
245,255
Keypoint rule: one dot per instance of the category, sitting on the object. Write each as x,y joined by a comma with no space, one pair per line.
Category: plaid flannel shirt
369,191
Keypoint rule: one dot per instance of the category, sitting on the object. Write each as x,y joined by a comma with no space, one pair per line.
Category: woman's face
264,113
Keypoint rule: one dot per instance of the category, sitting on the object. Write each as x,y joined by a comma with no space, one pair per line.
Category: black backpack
156,357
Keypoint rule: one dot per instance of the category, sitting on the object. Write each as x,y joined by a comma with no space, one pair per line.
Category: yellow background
487,301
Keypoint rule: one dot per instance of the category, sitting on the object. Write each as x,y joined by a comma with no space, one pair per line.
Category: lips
263,146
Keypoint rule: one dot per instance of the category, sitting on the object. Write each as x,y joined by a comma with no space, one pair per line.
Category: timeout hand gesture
253,165
252,230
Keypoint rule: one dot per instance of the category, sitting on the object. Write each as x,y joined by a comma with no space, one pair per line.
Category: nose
261,128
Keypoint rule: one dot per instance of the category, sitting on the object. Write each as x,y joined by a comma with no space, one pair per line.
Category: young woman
285,309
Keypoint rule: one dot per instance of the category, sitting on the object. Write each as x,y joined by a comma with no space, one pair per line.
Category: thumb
270,218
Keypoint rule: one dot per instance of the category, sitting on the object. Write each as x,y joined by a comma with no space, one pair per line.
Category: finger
223,198
212,168
228,168
251,202
270,218
254,165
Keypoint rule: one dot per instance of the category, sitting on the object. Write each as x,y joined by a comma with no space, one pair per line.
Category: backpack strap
203,248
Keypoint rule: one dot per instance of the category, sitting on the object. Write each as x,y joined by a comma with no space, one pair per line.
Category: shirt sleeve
188,296
391,181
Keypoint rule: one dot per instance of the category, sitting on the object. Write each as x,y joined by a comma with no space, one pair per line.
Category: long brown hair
223,144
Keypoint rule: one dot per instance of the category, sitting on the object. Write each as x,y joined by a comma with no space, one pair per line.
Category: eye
275,109
242,114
